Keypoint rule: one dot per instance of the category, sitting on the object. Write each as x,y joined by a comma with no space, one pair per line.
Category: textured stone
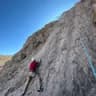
64,69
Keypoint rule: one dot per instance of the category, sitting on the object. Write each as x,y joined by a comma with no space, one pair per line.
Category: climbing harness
89,58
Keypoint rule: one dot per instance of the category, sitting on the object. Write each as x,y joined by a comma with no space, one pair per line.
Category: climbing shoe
40,90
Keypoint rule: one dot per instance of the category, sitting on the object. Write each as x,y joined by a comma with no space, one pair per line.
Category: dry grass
4,59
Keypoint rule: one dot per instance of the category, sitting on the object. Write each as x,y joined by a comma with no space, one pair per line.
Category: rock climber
33,71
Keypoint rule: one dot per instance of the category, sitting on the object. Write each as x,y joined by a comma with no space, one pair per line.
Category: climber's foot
40,90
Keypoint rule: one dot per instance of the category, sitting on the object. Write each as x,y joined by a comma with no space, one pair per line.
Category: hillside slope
4,59
64,69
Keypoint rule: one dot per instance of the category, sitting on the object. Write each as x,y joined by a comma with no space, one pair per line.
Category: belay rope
89,58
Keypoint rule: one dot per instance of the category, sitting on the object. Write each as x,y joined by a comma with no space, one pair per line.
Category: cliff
65,69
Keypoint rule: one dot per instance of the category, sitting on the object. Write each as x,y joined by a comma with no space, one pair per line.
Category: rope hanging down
89,58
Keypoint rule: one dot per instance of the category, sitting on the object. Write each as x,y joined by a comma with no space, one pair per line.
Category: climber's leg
94,12
26,85
40,83
29,78
94,18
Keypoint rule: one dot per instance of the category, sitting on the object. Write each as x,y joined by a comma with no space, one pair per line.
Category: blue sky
20,18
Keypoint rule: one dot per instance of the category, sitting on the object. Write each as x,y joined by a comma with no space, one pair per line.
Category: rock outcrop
64,69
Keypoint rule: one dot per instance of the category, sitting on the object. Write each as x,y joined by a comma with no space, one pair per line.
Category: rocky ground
64,69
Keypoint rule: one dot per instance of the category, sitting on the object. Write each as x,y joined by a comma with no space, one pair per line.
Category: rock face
64,69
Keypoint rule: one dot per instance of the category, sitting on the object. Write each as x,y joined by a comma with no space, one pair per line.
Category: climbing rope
89,58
